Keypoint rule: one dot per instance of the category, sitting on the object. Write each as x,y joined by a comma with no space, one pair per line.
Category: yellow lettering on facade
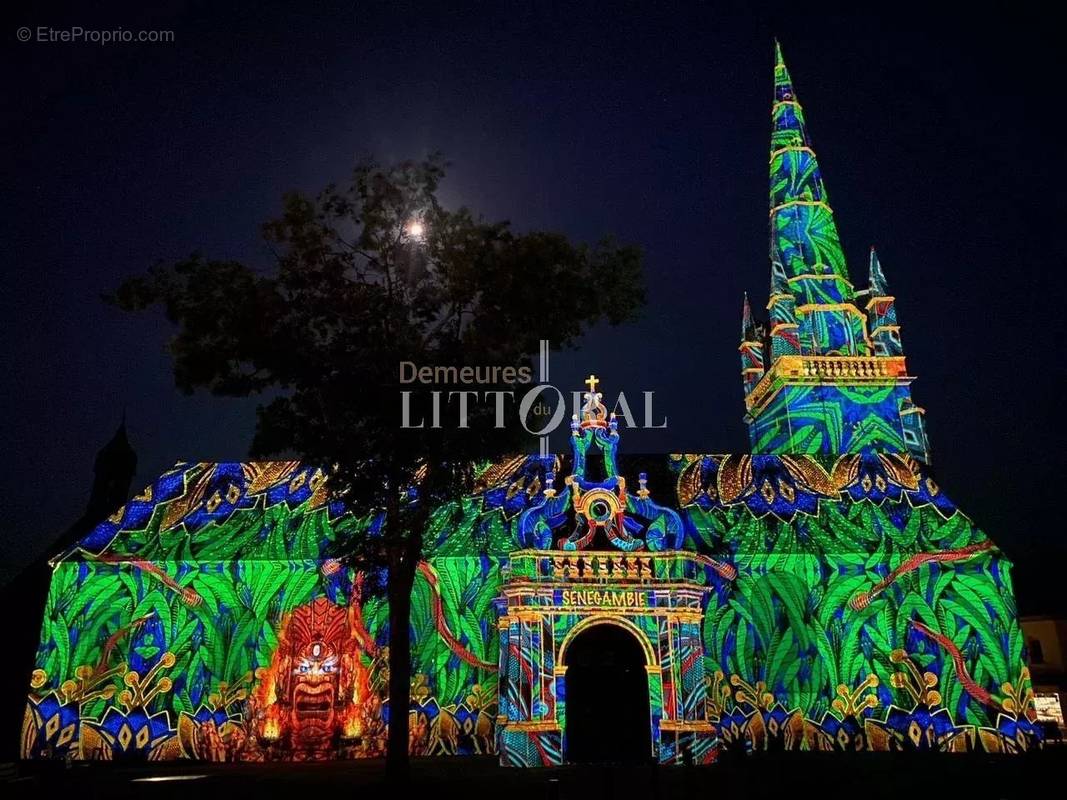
603,598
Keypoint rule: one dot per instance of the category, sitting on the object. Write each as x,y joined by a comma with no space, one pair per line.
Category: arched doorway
607,696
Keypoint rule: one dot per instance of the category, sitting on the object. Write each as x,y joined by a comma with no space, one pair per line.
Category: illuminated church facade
819,593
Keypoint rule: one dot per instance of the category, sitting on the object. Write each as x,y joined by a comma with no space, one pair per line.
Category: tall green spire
804,238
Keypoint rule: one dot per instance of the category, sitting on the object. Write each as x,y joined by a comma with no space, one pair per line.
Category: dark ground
786,775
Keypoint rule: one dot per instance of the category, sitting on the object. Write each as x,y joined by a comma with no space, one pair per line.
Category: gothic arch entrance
608,708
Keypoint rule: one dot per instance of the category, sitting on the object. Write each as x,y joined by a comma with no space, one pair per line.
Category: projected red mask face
316,673
314,667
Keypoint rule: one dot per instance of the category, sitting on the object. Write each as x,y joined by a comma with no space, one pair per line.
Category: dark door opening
607,697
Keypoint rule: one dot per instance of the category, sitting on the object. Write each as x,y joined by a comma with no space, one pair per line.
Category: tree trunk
400,580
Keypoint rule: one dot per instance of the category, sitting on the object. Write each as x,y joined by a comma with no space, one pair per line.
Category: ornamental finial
593,411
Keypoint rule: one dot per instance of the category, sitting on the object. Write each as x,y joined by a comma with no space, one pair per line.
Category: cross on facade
591,382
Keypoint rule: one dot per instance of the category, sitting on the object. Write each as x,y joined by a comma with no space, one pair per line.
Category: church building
821,592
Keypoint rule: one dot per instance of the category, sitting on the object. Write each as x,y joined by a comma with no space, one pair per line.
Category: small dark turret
113,472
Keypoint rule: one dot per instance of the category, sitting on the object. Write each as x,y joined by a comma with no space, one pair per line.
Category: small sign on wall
1048,707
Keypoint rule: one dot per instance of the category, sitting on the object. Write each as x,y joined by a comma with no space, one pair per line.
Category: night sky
936,136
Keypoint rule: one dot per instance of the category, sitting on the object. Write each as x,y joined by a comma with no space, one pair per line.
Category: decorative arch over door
547,605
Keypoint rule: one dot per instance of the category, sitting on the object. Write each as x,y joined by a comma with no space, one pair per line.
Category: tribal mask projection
316,675
820,593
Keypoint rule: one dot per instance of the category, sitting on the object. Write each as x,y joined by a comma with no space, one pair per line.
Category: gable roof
282,510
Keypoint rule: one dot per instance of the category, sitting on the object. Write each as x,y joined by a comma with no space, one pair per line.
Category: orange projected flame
272,726
352,726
